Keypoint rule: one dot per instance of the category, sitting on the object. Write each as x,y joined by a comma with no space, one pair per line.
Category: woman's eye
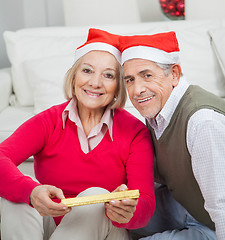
86,70
109,75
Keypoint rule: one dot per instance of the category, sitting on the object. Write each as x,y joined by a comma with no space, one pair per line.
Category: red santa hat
161,48
102,41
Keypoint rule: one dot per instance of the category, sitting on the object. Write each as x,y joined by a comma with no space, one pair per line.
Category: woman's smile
93,93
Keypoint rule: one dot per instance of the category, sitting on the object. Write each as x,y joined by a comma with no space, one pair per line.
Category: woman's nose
95,81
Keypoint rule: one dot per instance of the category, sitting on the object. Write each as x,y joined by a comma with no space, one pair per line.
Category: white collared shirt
206,145
96,134
160,123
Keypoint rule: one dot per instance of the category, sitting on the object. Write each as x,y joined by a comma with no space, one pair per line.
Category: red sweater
59,160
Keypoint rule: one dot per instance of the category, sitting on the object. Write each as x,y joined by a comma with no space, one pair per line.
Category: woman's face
95,81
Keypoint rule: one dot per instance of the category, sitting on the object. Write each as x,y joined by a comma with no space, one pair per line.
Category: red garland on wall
173,9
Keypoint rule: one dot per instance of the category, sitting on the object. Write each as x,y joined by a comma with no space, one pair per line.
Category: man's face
148,86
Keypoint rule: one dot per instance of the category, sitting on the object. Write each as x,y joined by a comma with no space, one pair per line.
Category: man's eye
129,80
147,75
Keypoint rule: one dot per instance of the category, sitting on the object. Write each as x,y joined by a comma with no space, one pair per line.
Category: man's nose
139,86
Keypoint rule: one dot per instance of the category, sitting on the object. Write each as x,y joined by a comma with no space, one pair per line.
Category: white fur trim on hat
149,53
98,46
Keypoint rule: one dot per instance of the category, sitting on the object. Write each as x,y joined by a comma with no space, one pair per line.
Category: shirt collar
71,112
167,111
174,99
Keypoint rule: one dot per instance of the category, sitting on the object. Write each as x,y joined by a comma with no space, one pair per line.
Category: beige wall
17,14
98,12
204,9
150,10
86,12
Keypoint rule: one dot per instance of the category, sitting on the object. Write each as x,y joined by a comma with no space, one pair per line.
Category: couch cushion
5,87
11,118
198,60
22,47
218,45
39,43
46,76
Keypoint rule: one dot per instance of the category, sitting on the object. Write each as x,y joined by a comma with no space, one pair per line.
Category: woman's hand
41,200
121,211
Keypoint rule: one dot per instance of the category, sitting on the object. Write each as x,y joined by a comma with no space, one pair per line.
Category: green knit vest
173,161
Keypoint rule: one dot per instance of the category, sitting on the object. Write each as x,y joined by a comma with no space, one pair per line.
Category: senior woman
87,145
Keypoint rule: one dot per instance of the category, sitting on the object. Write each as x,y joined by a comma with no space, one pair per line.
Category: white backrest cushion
218,45
46,77
22,46
198,60
5,87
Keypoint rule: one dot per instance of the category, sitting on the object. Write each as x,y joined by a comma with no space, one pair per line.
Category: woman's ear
176,73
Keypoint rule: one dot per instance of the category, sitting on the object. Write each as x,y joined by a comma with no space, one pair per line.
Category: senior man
187,125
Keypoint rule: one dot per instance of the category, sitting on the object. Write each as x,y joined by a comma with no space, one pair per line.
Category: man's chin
147,115
143,114
144,111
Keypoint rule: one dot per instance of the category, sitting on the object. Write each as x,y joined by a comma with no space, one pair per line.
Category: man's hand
121,211
41,200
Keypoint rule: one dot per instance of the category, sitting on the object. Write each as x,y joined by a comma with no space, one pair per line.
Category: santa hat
102,41
161,48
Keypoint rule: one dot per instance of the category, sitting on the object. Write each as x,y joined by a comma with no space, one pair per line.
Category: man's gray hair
165,67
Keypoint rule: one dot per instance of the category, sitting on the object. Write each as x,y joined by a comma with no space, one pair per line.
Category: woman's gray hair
120,94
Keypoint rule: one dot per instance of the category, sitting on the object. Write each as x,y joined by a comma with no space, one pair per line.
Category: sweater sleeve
26,141
140,175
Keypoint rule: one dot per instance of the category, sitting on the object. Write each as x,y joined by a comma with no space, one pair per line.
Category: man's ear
176,73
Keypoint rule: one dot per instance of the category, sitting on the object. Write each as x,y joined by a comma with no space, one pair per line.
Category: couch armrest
5,87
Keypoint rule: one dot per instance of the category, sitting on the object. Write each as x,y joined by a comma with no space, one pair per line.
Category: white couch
40,57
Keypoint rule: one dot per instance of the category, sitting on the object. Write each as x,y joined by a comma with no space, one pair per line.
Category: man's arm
206,144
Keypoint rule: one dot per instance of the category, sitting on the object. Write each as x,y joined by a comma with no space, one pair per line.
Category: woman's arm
40,199
26,141
132,214
121,211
